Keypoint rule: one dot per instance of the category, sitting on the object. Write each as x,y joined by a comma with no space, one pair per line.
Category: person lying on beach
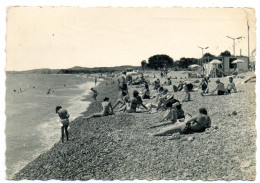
124,101
95,94
64,118
196,124
231,86
135,103
220,89
107,109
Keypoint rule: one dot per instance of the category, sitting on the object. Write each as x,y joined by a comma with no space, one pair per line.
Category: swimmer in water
49,91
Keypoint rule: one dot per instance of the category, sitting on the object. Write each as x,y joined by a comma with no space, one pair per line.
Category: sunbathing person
107,109
231,86
220,89
135,103
146,93
170,115
125,99
196,124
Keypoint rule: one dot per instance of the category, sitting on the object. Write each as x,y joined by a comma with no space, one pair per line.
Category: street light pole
234,43
202,49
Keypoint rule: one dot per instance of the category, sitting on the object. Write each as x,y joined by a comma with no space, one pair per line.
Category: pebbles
117,147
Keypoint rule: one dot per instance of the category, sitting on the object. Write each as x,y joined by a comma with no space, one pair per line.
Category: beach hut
224,65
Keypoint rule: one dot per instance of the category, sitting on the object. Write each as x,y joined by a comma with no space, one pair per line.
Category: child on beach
64,117
95,94
107,109
231,86
196,124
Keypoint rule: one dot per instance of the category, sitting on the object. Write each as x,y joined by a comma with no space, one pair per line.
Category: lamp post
234,43
202,50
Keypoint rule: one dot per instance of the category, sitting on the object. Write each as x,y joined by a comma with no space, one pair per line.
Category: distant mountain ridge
76,70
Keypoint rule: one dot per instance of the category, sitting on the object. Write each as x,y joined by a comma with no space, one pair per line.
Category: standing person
107,109
49,91
95,80
204,85
122,82
231,86
187,93
169,82
64,117
95,94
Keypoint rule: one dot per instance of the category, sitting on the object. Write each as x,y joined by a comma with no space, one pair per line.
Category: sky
63,37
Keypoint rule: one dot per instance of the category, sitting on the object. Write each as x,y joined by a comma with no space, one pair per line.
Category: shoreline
51,128
118,147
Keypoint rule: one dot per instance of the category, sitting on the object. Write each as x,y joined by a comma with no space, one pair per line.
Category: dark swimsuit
188,128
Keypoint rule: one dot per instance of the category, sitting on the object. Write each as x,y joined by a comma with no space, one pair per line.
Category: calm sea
32,125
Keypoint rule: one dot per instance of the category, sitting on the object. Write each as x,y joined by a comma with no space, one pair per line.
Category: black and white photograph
130,93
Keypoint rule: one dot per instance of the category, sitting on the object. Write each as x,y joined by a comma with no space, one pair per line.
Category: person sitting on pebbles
196,124
135,103
125,100
107,109
170,115
146,93
231,86
220,89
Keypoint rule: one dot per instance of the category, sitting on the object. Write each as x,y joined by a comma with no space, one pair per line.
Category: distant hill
77,70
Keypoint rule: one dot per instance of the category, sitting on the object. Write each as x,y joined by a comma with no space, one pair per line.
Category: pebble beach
119,147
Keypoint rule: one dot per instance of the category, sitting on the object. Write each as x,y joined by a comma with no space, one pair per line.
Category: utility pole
248,28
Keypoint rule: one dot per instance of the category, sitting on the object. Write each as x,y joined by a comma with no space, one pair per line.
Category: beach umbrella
238,61
132,73
216,61
194,66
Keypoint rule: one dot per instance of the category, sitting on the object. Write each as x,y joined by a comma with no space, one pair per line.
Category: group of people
220,88
164,101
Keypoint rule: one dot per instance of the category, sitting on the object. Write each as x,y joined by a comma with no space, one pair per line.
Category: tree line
162,61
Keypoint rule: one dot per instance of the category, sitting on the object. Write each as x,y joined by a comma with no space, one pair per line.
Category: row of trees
162,61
